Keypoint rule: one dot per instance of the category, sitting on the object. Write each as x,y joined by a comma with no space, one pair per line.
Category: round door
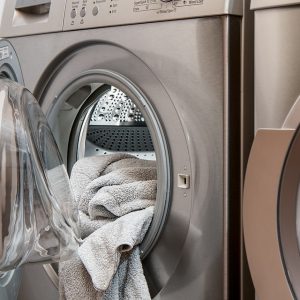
37,218
271,210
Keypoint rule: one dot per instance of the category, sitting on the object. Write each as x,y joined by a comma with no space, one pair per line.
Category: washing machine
271,197
161,80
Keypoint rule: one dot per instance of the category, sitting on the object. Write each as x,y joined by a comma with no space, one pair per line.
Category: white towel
115,195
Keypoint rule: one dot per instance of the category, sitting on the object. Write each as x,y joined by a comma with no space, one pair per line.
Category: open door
37,218
271,210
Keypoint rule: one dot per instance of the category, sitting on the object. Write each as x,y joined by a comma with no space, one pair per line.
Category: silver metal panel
81,14
14,22
277,65
263,4
192,74
89,13
36,285
10,284
277,73
30,3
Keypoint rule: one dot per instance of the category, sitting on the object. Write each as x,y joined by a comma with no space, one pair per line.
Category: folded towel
115,195
102,249
109,266
129,282
119,200
75,282
125,175
87,169
118,185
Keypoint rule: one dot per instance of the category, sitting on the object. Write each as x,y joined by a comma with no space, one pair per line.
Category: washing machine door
271,210
37,219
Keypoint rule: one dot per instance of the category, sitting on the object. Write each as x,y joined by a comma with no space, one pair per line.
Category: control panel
81,14
26,17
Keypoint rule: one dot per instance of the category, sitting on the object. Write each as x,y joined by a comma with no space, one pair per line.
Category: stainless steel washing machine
271,206
162,80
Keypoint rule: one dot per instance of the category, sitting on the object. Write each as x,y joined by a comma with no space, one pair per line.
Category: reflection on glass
37,219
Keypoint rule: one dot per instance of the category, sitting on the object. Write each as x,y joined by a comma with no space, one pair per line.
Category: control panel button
95,11
82,12
73,13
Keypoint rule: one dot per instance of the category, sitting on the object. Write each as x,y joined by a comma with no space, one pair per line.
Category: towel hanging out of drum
115,195
41,221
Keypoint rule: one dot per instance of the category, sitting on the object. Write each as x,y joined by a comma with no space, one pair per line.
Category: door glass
37,218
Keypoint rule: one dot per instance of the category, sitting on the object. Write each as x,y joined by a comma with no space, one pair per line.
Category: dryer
161,80
271,206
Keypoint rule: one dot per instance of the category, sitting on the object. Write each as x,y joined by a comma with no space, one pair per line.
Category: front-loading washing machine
161,80
271,196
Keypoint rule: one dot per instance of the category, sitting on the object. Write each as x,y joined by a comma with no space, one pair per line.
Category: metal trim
52,275
267,4
260,213
292,119
287,214
10,66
